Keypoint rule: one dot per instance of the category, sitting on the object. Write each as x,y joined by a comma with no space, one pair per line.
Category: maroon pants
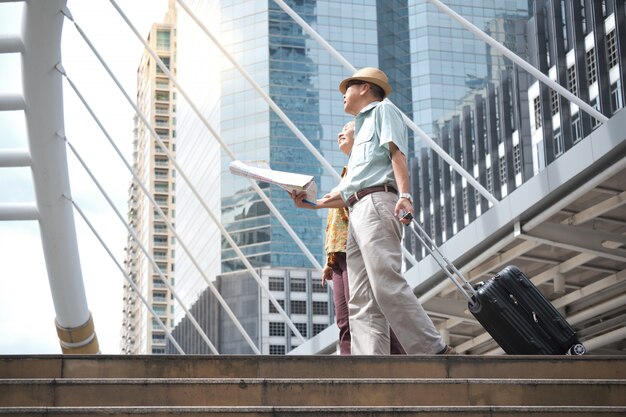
342,298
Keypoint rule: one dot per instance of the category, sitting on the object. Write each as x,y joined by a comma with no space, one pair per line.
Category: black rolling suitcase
509,306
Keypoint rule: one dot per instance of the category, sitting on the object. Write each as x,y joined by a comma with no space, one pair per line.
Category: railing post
43,94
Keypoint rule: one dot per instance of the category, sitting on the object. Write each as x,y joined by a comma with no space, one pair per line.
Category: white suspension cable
183,175
225,147
263,94
519,61
171,227
144,250
429,141
274,106
129,279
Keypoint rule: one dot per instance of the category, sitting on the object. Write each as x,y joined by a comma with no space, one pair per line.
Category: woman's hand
327,275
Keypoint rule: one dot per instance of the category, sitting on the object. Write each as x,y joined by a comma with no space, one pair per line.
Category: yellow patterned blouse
336,231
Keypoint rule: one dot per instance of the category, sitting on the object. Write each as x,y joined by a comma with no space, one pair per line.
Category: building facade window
318,328
163,40
316,287
502,170
302,328
517,159
160,240
571,80
298,307
577,130
554,102
616,96
611,48
557,142
277,349
464,209
277,283
277,328
537,112
166,62
541,156
298,285
596,105
320,307
162,96
591,66
453,205
273,309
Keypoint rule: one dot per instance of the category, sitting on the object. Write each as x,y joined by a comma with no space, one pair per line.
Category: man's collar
369,107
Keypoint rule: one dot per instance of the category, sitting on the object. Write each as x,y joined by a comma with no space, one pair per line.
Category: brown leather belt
369,190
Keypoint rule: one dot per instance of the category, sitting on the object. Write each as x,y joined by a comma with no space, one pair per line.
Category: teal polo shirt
378,124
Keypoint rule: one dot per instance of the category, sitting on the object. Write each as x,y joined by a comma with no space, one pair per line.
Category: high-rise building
199,66
298,291
433,64
511,127
156,99
447,60
580,45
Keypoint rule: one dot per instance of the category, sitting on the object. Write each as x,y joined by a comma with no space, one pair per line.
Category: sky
26,309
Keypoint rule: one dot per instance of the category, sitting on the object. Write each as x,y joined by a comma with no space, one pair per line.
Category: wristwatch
407,196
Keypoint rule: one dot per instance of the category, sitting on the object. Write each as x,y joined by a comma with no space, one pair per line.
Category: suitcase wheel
577,349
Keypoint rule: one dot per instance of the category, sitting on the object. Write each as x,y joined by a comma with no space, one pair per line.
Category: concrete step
348,392
248,386
240,366
598,411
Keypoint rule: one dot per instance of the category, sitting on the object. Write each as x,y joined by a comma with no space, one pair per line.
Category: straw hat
369,75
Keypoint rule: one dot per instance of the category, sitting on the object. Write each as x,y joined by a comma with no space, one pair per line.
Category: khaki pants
379,295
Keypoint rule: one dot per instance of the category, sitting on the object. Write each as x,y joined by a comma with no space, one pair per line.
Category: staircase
279,386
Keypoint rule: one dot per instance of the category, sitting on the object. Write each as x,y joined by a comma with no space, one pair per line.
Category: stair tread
335,381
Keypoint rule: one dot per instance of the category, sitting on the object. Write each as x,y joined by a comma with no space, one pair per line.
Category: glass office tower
448,61
302,79
431,61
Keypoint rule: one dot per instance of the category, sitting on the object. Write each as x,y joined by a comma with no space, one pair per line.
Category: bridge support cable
43,109
223,145
294,129
429,141
155,266
519,61
156,206
182,174
145,302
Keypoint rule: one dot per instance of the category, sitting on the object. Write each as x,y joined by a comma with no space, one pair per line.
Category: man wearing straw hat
376,189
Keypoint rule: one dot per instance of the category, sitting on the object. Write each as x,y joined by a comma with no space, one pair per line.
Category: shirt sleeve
392,127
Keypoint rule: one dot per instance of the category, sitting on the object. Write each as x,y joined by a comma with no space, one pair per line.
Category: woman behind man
336,269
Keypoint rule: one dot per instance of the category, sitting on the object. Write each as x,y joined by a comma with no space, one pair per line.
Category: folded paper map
288,181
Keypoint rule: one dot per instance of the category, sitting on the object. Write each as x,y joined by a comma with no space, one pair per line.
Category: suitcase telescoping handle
448,267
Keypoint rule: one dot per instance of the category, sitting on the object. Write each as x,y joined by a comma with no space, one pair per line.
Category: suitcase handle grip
448,267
